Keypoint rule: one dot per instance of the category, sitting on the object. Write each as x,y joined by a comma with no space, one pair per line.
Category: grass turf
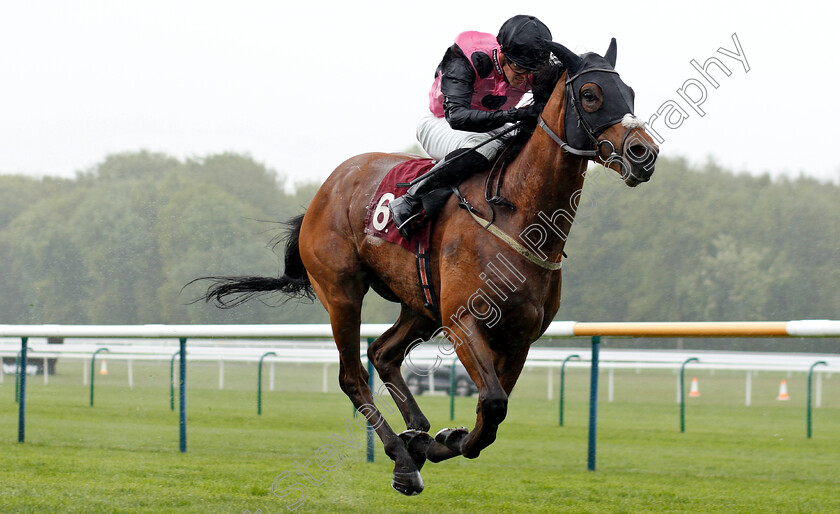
122,455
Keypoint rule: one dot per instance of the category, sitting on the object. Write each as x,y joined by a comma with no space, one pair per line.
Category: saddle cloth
378,222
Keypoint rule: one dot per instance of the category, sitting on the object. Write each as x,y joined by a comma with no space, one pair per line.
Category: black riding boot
455,167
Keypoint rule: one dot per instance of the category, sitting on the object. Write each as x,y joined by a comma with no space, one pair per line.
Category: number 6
381,215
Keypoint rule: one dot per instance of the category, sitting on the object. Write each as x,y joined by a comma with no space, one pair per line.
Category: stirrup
404,206
405,227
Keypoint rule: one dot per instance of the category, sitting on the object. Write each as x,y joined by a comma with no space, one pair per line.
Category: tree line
117,243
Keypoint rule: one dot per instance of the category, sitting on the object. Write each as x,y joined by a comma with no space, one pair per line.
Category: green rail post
172,380
810,373
682,391
259,382
19,366
562,382
93,371
451,388
22,391
17,377
182,396
593,404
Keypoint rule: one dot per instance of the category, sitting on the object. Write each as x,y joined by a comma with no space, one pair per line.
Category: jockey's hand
527,113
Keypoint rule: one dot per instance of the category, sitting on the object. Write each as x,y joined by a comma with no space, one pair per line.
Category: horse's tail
227,292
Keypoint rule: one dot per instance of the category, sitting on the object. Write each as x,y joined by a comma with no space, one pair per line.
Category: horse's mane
544,81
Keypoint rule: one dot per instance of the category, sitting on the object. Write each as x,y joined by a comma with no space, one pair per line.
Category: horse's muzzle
639,160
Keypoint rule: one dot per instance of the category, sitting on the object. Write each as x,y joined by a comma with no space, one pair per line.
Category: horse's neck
544,183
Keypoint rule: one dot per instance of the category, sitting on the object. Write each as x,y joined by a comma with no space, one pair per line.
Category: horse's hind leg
387,354
342,293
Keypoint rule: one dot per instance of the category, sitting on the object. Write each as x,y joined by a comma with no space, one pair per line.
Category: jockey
477,85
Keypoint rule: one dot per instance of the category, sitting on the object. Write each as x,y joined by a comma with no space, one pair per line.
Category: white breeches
438,139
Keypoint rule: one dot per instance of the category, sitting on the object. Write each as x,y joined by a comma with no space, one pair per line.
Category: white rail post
679,388
749,389
550,383
819,390
221,375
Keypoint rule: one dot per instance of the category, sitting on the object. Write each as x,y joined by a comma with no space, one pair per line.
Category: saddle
378,222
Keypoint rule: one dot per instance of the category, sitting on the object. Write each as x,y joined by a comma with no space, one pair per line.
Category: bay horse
588,115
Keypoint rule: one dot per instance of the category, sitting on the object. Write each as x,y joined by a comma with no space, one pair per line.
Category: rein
564,145
589,154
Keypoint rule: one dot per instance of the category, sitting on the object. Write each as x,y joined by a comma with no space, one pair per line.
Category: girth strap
424,276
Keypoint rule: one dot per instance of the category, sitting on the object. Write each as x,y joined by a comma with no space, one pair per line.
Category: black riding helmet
521,39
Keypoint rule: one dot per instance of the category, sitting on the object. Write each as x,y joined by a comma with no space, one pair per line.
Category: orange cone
783,394
104,369
695,389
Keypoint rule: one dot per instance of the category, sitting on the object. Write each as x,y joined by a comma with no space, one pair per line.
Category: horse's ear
612,51
569,59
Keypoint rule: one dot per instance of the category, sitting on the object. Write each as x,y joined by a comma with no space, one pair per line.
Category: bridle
575,151
587,129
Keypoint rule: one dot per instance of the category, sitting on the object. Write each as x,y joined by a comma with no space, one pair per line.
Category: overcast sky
303,85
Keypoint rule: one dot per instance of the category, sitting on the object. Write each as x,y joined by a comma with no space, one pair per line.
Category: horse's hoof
408,483
416,442
452,437
407,435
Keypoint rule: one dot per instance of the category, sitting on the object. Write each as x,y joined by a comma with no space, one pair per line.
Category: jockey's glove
527,113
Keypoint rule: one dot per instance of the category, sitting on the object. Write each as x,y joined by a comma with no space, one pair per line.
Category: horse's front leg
480,362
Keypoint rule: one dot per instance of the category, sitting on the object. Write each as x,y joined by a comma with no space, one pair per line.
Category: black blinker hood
583,127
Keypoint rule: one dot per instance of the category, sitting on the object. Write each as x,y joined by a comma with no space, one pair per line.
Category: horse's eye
591,97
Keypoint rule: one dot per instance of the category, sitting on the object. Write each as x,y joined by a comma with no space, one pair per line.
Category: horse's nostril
638,151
